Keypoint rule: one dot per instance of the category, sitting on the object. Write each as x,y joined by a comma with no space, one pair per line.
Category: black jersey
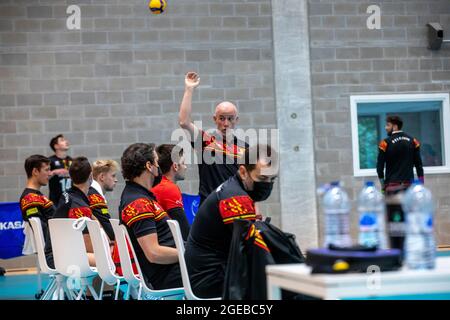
400,153
209,240
217,160
74,204
34,204
59,184
142,216
99,209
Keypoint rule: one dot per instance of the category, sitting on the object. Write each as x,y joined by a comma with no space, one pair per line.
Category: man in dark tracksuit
400,153
209,241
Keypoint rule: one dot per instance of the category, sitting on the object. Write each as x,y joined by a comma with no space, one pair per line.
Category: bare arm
191,81
156,253
89,249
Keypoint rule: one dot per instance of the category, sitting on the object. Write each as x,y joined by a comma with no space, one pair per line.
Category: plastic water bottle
336,206
372,225
418,206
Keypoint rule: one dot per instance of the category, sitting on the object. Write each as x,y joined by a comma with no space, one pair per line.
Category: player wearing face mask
209,240
146,220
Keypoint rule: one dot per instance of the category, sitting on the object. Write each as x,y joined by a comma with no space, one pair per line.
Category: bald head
226,116
226,108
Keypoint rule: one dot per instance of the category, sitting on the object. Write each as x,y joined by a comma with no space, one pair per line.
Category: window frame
445,122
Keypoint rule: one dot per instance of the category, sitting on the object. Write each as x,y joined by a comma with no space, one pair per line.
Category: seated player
209,240
145,220
74,203
33,203
167,193
104,173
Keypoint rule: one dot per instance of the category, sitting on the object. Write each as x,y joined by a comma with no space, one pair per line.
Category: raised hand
192,80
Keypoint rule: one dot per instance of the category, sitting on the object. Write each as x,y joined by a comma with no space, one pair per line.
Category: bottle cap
370,184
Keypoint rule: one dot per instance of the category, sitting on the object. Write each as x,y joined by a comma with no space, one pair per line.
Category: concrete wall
120,79
347,58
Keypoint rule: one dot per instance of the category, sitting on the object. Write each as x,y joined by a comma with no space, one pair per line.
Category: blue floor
20,287
24,287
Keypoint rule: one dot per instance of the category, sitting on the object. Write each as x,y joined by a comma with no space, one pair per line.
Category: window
425,116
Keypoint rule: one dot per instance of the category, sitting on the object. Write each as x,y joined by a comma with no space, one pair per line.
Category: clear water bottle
372,224
336,207
418,205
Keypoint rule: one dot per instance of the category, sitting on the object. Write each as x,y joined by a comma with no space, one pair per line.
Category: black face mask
158,178
261,190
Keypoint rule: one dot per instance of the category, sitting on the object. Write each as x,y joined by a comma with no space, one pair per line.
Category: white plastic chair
103,260
69,253
137,281
176,232
56,288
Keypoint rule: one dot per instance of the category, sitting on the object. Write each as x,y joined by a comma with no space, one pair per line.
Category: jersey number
66,184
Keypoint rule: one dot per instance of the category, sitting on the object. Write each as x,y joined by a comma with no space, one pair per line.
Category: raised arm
191,81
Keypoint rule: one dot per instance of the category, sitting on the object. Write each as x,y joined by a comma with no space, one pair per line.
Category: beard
179,177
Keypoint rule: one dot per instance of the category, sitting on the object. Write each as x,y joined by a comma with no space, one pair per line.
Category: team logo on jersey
259,241
35,200
96,201
212,144
76,213
137,210
57,163
383,145
238,207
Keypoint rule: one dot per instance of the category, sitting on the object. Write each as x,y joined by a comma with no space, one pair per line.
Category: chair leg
80,294
94,294
49,290
116,297
140,292
127,293
100,296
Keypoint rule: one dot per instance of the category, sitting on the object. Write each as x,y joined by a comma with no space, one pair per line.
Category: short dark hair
80,170
165,152
35,161
395,120
55,141
135,157
254,153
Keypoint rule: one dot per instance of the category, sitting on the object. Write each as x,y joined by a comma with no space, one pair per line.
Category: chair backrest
125,259
39,241
69,250
176,232
103,261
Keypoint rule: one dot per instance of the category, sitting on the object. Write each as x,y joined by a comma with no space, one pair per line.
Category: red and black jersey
57,185
142,215
74,204
168,195
209,241
400,153
218,160
100,210
33,204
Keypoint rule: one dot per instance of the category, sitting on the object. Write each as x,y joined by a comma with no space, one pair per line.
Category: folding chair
137,281
104,264
69,252
56,288
176,232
